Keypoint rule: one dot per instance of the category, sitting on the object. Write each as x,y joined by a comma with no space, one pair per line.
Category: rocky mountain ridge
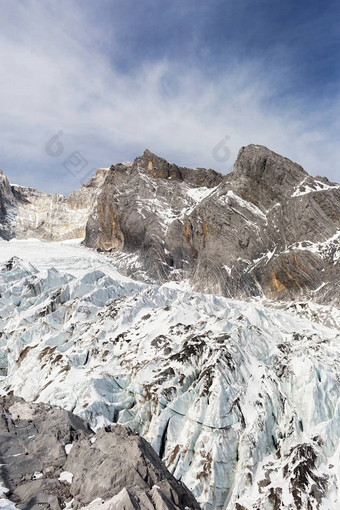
266,229
28,213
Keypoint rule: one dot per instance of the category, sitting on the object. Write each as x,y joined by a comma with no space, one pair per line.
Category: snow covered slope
240,399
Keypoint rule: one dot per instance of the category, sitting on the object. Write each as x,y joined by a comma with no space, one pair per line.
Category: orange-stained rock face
277,285
113,238
240,235
267,228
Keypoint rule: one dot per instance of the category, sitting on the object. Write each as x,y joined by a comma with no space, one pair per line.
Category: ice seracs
240,399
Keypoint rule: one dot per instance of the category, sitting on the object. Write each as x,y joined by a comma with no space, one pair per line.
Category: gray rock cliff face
267,228
50,457
7,208
27,212
138,205
273,228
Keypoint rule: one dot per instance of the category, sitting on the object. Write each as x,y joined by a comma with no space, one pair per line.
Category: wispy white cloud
58,72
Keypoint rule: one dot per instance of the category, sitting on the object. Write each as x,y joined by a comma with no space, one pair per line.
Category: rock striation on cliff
28,213
267,228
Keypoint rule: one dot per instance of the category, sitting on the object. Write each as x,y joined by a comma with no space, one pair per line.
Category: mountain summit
266,229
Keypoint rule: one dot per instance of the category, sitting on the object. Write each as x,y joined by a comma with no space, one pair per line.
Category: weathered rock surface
267,228
27,212
50,457
7,207
136,208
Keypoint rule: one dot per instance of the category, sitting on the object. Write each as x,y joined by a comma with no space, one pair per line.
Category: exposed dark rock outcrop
267,228
50,457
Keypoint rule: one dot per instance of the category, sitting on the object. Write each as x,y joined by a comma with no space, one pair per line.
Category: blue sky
178,77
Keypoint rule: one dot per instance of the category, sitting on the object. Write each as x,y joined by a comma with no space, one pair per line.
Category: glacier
239,398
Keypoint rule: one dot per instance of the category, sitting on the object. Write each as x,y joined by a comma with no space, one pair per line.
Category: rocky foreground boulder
51,459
